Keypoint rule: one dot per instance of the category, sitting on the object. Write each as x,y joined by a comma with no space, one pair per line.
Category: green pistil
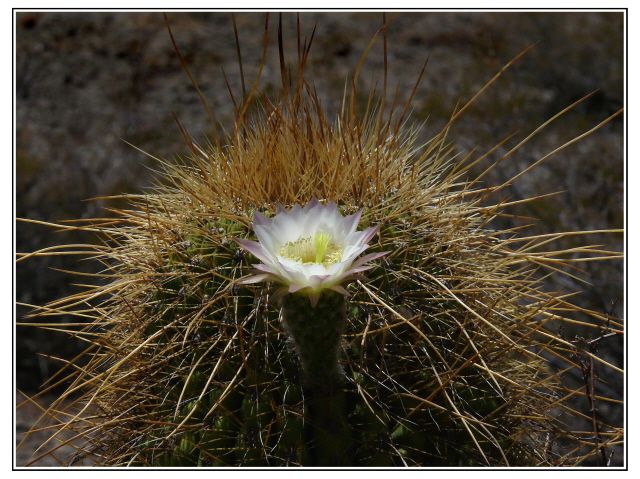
321,242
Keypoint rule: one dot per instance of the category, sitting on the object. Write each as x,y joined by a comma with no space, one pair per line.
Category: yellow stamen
317,249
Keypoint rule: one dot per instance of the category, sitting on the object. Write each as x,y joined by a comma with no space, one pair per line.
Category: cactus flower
309,249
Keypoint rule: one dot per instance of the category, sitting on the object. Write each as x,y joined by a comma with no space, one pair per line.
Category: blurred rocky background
88,83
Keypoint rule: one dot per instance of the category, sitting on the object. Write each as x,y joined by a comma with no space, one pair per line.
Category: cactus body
316,332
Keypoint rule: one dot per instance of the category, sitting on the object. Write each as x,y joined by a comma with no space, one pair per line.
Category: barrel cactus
225,330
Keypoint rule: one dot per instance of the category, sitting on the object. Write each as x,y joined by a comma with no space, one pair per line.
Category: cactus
440,356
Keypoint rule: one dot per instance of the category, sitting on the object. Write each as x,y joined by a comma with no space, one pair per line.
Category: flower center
318,248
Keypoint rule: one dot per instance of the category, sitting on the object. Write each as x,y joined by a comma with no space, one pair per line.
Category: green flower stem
316,333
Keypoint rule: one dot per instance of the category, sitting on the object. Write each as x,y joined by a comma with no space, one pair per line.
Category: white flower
309,249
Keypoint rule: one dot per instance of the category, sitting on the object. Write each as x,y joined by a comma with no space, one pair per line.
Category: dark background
87,81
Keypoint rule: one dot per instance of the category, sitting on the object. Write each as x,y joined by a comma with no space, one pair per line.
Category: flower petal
317,279
369,257
301,222
254,248
266,237
289,226
311,204
314,296
339,289
256,278
294,288
350,223
260,219
352,251
360,269
369,233
266,268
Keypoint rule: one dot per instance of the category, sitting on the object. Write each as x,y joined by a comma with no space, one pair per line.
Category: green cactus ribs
316,332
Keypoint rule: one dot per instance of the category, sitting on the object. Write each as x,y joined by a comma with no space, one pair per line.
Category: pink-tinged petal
336,268
332,208
256,278
311,204
260,219
369,257
294,212
266,238
324,218
290,265
291,271
273,269
352,252
288,226
314,296
360,237
255,249
340,290
369,233
360,269
336,219
294,288
317,279
265,268
313,269
351,222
